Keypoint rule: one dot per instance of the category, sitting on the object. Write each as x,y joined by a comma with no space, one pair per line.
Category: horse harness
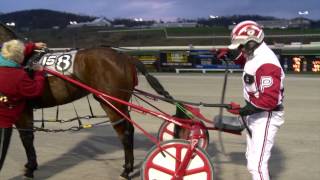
62,61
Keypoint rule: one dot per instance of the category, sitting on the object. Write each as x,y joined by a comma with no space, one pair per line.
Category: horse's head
6,34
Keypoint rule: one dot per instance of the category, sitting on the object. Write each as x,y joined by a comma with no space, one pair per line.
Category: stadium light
12,24
138,19
213,17
303,12
73,22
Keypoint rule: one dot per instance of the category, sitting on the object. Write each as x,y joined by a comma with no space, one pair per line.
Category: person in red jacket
15,88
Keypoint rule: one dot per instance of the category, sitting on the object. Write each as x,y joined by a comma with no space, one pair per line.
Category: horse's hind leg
125,131
25,126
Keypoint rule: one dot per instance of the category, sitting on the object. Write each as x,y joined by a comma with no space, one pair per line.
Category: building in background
99,22
176,24
282,24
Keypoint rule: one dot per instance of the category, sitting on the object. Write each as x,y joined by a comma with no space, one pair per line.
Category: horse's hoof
124,176
31,167
27,178
28,173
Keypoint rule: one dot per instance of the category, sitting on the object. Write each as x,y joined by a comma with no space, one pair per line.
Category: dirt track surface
96,153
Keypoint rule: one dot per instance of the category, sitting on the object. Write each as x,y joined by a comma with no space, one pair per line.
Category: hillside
42,18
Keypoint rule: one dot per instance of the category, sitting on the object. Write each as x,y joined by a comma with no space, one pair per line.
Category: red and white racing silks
263,79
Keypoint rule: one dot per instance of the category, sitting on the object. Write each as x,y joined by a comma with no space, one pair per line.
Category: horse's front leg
25,127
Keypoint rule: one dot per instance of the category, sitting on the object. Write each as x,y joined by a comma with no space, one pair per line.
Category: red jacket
28,51
29,47
16,87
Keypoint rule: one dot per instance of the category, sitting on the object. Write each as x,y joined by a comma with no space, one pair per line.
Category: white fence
178,70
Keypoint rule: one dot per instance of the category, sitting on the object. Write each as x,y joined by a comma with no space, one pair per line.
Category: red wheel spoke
156,166
162,169
168,132
178,157
196,170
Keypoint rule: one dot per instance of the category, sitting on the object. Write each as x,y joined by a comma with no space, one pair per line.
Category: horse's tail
153,81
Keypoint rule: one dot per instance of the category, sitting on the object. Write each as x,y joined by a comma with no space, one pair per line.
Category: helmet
244,32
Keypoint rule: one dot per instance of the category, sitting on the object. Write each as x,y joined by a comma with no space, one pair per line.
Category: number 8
63,62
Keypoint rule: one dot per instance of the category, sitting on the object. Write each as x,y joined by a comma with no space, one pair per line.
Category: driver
263,93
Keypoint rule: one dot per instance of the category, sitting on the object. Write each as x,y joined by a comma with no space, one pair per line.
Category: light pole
74,35
213,18
139,21
301,14
304,60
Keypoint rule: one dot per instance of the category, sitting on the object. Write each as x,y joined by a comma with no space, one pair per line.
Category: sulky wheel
166,132
159,165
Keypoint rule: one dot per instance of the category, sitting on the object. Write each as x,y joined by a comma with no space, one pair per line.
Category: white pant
264,127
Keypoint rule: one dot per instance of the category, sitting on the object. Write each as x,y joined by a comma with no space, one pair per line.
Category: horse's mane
6,33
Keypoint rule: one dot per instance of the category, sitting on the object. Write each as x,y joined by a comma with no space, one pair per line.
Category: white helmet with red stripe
244,32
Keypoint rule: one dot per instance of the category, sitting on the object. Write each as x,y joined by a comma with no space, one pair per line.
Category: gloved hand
40,45
234,109
249,109
37,67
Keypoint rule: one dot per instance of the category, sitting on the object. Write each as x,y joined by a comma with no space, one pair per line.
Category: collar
259,49
8,63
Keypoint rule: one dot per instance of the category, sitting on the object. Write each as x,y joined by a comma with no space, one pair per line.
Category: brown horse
101,68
